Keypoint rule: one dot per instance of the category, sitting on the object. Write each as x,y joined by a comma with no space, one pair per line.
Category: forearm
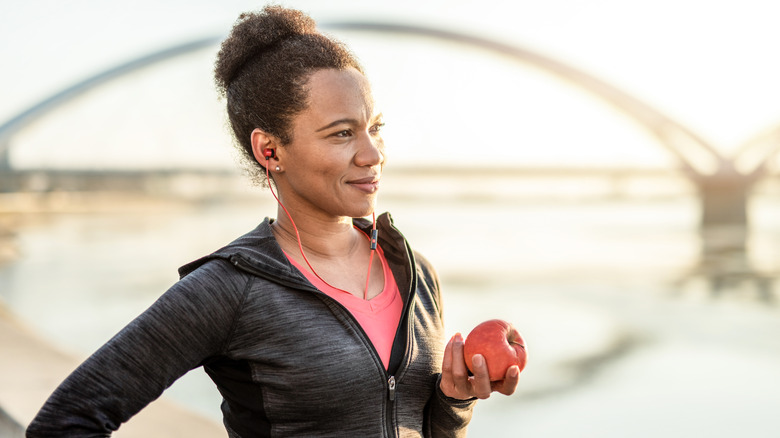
102,393
186,326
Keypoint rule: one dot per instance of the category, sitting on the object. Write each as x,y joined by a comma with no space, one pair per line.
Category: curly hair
262,69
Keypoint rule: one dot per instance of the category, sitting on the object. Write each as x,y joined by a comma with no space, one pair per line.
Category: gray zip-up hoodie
287,359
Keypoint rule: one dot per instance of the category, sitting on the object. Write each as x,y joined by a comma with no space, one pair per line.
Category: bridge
723,183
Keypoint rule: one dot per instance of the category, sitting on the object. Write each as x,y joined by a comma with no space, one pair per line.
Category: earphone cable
372,239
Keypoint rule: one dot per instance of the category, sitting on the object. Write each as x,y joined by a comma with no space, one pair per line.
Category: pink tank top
378,316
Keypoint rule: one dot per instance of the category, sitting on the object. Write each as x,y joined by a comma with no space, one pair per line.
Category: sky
709,65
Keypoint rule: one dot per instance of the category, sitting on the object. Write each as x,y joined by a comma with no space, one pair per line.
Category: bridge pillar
724,195
724,231
5,156
724,202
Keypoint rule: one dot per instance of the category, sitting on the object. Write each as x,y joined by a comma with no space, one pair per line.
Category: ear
261,141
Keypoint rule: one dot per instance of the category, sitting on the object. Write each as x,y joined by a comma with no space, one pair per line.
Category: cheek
320,164
327,171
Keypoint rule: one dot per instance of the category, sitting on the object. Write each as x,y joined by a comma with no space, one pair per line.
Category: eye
344,133
376,128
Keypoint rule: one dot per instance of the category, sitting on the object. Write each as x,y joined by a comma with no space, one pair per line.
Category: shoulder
425,267
214,271
428,286
216,284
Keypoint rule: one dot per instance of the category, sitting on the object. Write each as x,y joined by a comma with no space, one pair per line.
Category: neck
320,238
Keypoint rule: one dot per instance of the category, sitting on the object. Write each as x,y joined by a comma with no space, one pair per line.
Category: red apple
499,343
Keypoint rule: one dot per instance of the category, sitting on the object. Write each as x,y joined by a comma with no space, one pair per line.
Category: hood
258,253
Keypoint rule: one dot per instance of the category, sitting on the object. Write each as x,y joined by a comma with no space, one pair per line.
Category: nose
370,152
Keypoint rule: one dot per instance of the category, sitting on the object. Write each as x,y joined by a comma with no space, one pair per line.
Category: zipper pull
391,387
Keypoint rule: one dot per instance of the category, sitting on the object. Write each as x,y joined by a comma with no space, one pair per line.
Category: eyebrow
347,122
338,122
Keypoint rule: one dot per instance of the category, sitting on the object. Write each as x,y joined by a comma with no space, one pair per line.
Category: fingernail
458,338
514,371
477,360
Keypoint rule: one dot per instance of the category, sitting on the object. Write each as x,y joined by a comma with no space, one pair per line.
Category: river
626,335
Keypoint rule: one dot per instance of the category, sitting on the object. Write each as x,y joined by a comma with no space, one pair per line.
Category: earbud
269,153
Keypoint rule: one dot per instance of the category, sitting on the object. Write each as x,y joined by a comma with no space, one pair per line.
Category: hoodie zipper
389,424
391,388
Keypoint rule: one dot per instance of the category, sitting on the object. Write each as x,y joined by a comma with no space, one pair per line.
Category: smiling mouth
368,185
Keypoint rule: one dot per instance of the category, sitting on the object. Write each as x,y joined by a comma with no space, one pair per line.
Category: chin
365,210
354,207
366,214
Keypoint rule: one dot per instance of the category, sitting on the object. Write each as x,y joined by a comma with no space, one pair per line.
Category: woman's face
333,165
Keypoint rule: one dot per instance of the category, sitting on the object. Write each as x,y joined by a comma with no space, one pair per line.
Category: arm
449,417
188,324
455,382
445,416
456,391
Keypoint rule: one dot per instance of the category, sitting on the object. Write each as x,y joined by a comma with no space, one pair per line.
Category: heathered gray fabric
288,359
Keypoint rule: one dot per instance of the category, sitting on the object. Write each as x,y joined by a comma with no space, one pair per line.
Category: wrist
449,399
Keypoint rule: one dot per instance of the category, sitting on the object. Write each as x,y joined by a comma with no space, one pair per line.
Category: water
625,336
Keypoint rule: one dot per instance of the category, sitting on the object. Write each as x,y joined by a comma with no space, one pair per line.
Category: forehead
337,93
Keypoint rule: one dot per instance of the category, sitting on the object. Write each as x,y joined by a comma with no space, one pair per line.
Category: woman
309,325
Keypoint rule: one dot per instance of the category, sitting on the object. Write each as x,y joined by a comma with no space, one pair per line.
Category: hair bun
254,33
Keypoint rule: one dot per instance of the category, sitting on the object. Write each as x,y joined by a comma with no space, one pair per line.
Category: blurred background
603,174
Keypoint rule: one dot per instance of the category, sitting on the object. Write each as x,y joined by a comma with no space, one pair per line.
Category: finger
509,384
459,370
481,381
460,373
447,385
446,364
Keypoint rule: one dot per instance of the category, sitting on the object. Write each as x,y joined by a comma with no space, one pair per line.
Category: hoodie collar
259,253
